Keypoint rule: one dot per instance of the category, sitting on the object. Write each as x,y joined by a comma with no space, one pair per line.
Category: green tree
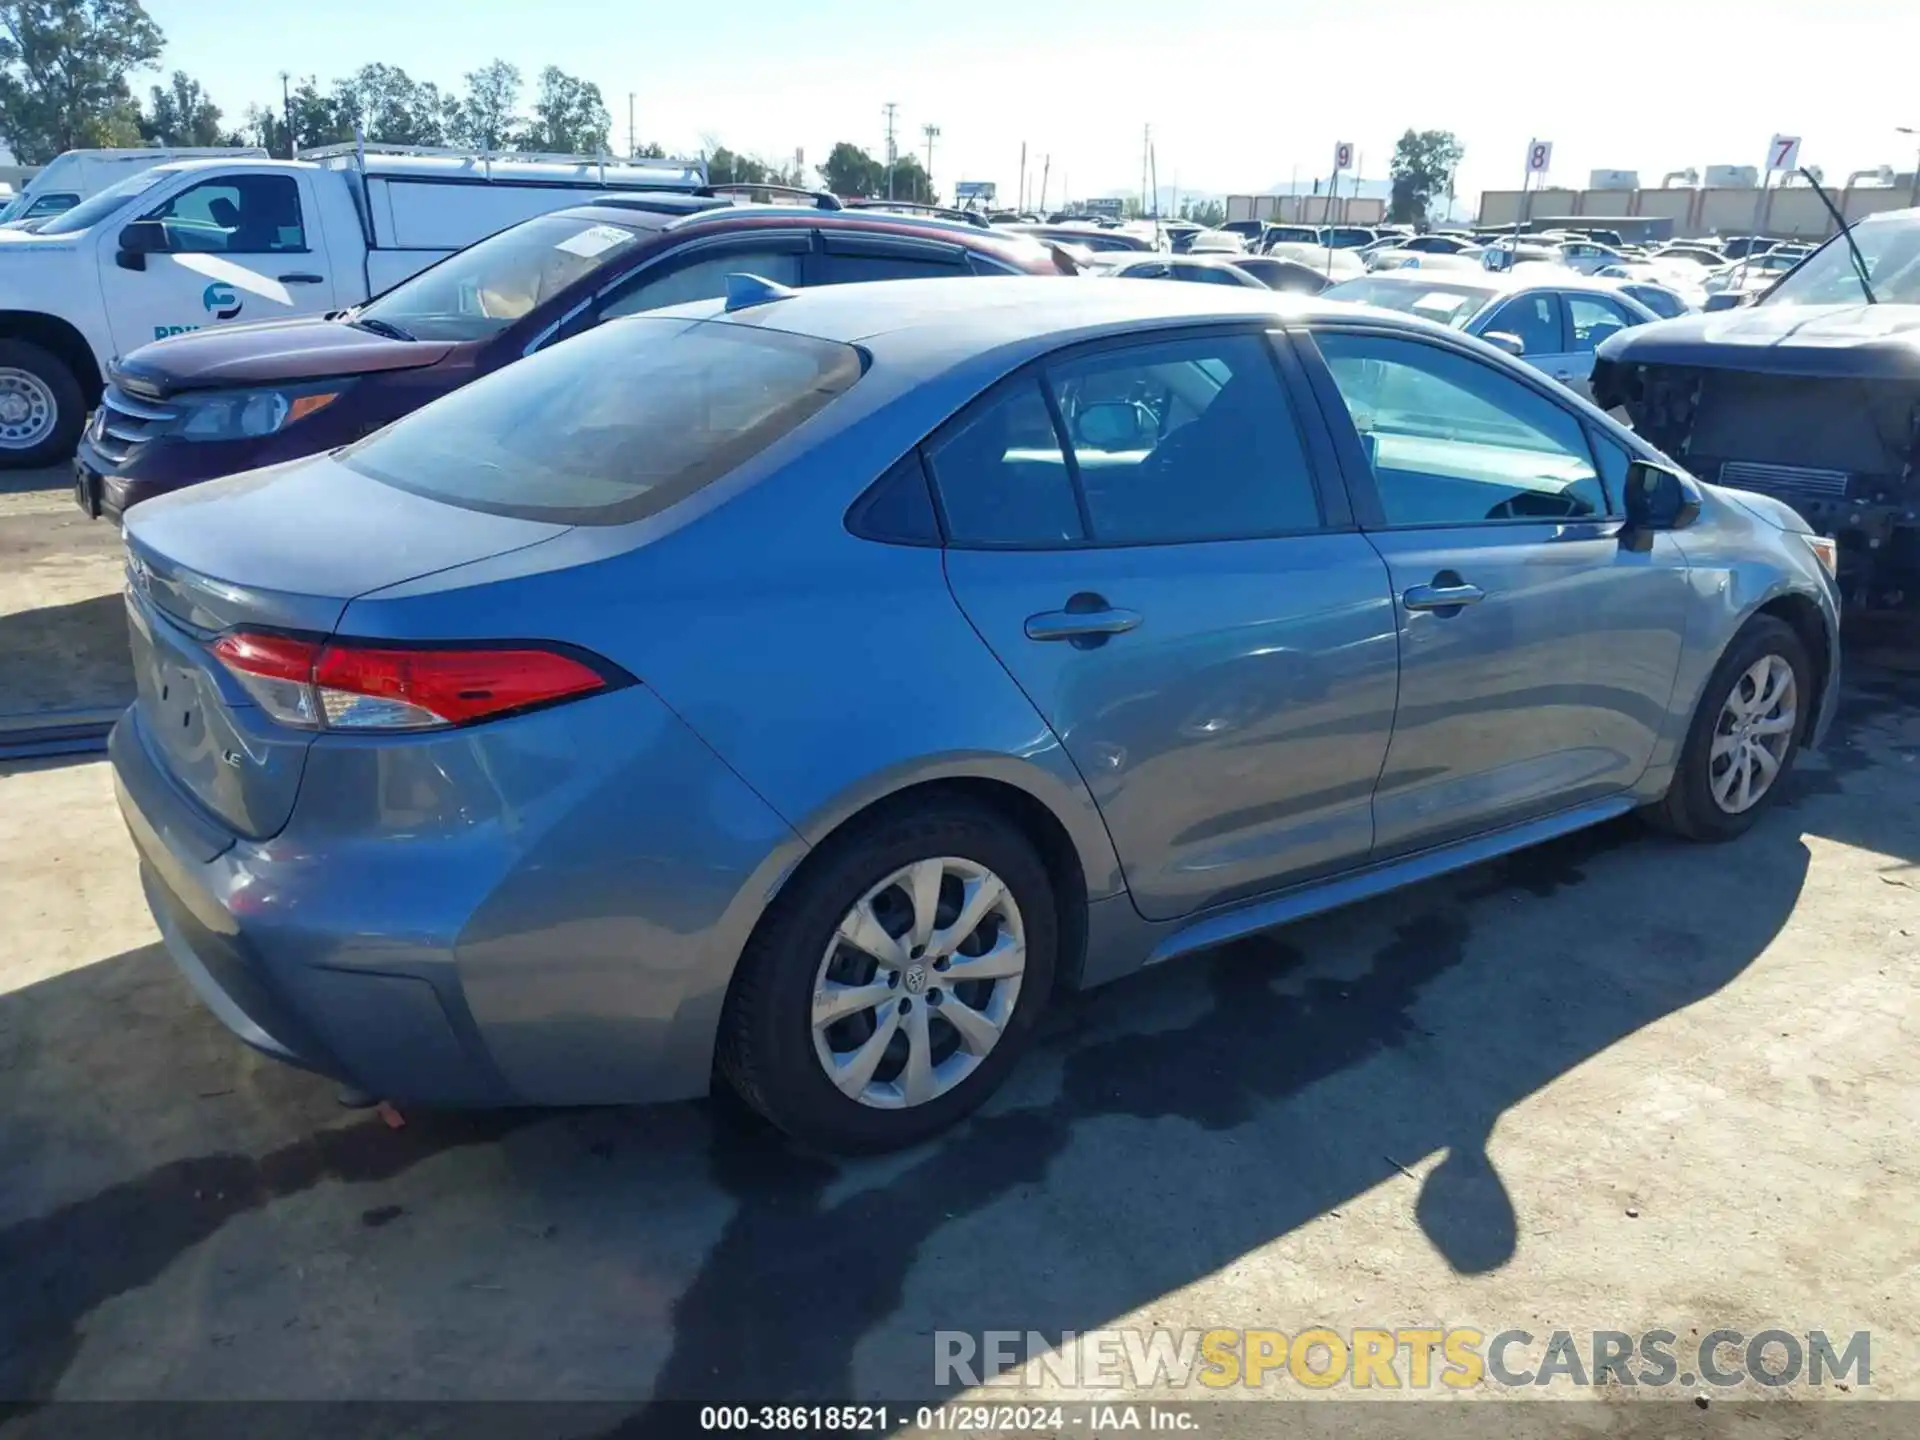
181,114
1210,213
317,120
910,182
1423,165
569,116
63,73
490,113
389,105
728,167
849,170
651,150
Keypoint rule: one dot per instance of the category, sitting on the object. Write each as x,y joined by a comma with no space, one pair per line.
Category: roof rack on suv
658,202
682,174
774,194
914,207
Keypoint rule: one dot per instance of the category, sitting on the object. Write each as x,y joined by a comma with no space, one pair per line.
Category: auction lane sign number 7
1784,153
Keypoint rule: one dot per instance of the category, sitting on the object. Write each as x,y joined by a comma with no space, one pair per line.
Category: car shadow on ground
65,657
1163,1127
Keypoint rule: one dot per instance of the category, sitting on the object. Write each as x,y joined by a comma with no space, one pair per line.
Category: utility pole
1146,145
633,141
1022,207
890,107
932,132
286,113
1046,169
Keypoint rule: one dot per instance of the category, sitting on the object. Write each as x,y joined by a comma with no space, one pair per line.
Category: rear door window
702,275
1002,475
613,426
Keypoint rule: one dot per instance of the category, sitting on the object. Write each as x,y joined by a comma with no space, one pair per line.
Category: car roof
1004,244
960,316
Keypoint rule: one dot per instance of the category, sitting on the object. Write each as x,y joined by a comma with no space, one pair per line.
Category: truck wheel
41,407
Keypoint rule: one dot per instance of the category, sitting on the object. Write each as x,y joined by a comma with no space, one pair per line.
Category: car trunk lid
281,550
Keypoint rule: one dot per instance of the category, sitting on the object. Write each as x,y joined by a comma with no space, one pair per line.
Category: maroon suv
212,403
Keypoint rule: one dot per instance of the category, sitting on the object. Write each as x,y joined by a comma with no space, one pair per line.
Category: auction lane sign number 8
1539,156
1784,153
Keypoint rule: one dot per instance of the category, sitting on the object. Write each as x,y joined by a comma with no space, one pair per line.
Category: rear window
614,426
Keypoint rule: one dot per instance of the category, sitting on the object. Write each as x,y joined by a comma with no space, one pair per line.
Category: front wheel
893,985
41,407
1744,737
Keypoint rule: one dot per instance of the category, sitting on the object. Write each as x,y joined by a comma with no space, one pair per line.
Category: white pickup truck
209,242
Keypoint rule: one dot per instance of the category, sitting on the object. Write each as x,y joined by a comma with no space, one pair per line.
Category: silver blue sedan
803,688
1551,317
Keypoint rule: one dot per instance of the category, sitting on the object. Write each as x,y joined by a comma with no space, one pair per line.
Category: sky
1241,95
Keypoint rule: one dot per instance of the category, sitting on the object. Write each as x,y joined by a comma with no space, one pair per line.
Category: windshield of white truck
1891,250
89,213
486,287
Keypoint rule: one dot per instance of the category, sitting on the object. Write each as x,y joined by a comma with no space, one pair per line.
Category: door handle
302,278
1442,597
1084,628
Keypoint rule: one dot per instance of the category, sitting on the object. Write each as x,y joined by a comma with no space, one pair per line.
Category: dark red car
198,406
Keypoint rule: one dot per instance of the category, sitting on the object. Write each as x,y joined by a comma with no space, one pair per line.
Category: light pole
932,132
1913,187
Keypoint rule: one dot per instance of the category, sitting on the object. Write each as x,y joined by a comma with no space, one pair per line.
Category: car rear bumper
384,1032
546,910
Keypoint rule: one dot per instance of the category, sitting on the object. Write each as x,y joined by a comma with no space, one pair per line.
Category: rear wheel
41,407
1744,737
895,982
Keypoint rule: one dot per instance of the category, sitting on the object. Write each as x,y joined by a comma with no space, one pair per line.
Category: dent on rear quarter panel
587,873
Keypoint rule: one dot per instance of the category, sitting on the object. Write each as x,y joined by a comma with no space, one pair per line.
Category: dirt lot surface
1616,1083
63,643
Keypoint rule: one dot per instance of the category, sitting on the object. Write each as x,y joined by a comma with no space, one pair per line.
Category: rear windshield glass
1451,305
613,426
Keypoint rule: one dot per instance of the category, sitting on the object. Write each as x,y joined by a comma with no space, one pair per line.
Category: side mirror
1659,499
1507,341
1112,425
139,240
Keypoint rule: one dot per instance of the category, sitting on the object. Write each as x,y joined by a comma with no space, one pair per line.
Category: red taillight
347,686
272,657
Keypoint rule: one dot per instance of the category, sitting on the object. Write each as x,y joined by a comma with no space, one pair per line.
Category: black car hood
272,352
1862,341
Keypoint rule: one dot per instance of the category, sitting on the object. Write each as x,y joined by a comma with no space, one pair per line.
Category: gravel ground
1615,1083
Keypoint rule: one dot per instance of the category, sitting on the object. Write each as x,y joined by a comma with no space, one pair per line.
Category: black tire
1688,809
766,1049
70,406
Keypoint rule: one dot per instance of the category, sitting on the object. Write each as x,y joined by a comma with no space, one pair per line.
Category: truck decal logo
221,301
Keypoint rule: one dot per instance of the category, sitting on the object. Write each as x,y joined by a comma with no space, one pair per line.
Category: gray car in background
1549,316
802,688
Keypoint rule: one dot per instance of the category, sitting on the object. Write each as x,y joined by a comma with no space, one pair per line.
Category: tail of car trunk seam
231,556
